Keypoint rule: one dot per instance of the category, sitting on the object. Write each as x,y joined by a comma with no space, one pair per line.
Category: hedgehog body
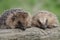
15,18
45,19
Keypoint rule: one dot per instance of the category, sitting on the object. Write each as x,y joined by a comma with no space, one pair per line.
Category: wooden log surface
32,33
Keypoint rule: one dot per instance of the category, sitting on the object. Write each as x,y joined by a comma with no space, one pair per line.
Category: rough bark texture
30,34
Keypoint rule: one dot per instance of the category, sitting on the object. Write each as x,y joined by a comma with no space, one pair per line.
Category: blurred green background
32,5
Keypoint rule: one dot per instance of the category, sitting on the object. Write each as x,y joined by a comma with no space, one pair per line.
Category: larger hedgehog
45,19
15,18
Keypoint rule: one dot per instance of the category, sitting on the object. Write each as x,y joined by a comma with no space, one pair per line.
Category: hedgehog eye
39,22
46,22
13,18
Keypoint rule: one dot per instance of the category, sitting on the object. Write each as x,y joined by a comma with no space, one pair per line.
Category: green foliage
30,5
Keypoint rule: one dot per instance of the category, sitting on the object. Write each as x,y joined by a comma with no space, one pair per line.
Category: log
32,33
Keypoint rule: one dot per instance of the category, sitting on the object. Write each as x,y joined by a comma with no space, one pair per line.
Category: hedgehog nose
21,27
43,27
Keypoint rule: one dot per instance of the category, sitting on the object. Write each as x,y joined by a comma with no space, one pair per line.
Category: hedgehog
45,20
15,19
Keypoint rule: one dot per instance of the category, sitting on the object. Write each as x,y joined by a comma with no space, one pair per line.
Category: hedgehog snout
43,27
20,25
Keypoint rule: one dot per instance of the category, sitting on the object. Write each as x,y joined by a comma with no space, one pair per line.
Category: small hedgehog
45,19
15,18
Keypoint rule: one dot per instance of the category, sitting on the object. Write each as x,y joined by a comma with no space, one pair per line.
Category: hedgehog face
20,18
43,23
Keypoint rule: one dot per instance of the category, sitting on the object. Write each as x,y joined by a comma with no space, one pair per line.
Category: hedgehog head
18,19
43,23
